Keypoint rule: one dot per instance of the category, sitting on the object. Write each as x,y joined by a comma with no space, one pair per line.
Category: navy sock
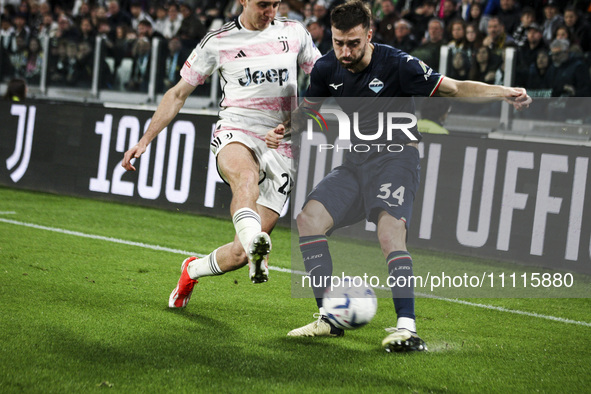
400,271
318,263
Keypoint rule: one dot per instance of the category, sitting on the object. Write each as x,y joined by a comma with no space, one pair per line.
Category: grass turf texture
83,315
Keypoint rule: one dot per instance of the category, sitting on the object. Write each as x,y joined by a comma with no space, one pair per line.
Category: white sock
247,224
207,266
407,323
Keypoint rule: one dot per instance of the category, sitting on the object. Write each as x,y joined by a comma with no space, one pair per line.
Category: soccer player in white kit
257,57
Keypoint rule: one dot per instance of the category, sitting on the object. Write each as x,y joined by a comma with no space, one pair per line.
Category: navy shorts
384,182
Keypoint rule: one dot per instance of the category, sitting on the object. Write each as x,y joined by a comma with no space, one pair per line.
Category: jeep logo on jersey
258,77
376,85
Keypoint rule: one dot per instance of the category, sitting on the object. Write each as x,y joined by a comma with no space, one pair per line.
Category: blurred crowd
552,38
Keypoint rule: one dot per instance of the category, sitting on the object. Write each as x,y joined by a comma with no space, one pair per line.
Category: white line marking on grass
184,252
124,242
514,311
100,237
7,213
288,270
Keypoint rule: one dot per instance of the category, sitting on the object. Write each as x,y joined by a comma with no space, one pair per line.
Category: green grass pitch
82,314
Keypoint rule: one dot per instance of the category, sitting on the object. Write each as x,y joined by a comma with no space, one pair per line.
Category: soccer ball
350,307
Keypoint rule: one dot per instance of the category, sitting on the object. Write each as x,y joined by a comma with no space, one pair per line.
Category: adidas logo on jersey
258,77
240,54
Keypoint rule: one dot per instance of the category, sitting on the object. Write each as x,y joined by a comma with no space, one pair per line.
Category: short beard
354,63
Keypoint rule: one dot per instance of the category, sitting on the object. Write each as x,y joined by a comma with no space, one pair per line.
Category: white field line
184,252
7,213
514,311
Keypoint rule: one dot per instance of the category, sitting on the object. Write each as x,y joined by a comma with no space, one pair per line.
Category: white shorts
276,171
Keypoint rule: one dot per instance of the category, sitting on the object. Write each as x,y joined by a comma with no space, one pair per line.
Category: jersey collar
240,26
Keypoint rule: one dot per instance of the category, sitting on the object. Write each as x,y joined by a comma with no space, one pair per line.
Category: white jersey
258,72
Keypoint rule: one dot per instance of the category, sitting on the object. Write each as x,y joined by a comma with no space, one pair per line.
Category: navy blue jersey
387,84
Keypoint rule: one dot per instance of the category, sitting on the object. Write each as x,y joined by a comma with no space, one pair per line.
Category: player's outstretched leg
258,257
321,327
180,296
192,269
318,263
403,340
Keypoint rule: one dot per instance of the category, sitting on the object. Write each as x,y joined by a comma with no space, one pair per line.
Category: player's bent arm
300,116
172,102
453,88
293,125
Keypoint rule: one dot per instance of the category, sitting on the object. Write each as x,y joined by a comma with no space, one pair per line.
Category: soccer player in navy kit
358,68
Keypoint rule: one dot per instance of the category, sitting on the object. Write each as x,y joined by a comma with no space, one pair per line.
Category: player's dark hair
351,14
